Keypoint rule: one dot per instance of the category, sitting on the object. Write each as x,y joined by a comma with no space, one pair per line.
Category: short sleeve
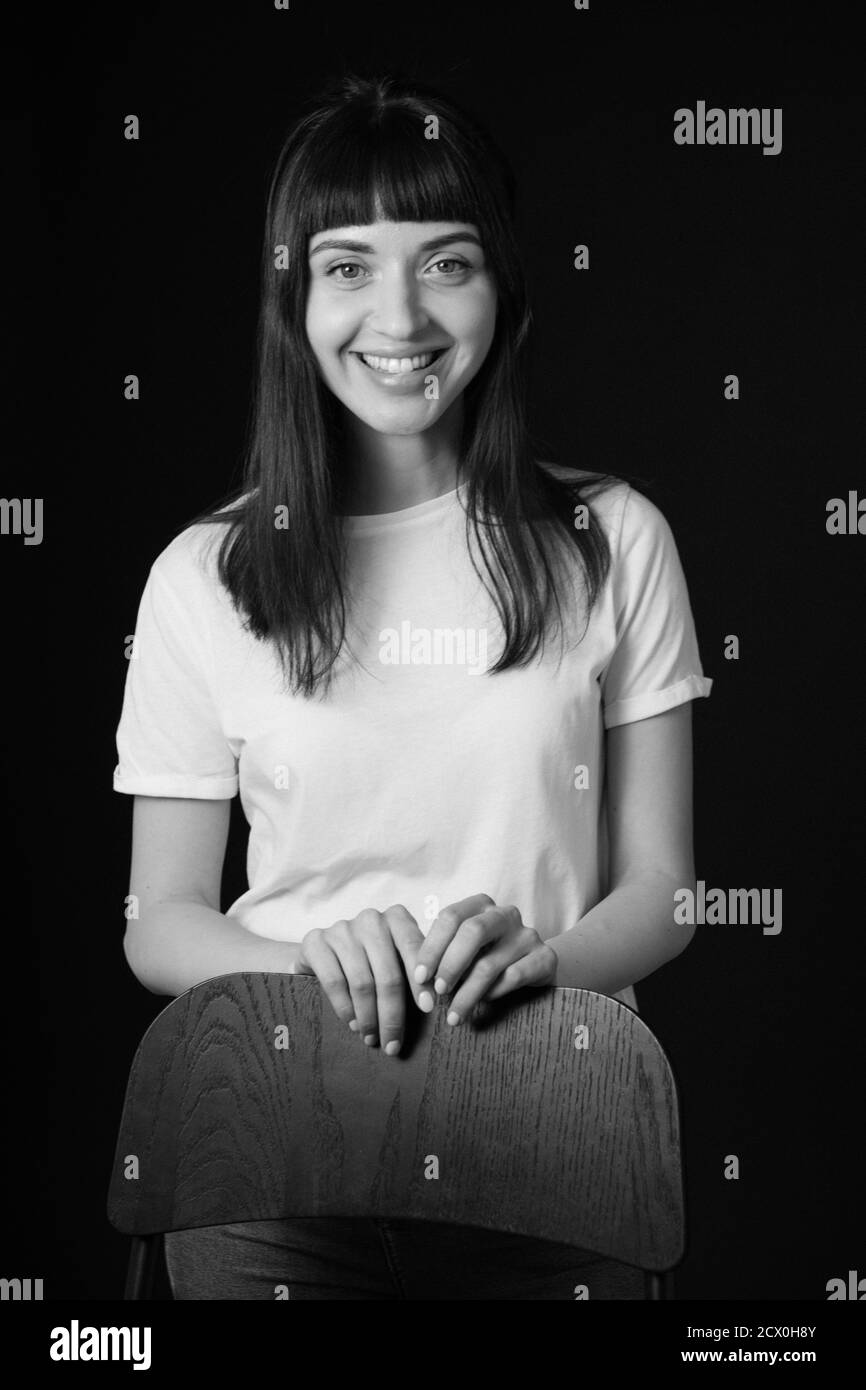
169,739
655,664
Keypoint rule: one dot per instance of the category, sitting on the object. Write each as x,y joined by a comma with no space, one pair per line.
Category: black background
143,257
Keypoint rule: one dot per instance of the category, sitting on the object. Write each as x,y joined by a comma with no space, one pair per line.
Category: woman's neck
390,472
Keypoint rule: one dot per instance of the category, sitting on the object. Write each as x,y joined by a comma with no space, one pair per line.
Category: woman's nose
398,312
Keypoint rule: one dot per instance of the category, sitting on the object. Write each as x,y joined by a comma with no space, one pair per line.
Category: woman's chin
404,418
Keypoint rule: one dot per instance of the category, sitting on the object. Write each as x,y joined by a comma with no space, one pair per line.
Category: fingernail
453,1017
369,1039
425,1001
354,1025
420,973
441,986
393,1048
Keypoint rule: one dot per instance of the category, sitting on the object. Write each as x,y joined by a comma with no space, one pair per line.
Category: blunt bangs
373,166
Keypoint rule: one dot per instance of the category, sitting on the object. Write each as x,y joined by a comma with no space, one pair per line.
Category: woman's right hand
365,967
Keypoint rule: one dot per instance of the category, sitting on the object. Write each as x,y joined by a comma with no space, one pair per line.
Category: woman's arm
180,937
631,931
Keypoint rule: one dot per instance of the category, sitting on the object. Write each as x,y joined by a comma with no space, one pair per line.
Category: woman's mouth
399,366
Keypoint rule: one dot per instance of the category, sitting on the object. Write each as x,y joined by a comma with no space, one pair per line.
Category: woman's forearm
624,938
177,944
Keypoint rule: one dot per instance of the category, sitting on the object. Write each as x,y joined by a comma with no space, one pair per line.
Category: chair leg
142,1267
659,1286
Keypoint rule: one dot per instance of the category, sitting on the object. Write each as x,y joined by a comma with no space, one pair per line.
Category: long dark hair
359,153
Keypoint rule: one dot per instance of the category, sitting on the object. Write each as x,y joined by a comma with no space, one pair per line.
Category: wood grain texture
532,1135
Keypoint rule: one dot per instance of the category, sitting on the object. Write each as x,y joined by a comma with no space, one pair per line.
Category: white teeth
395,366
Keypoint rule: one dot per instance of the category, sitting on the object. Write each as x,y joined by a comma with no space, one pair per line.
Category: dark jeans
336,1258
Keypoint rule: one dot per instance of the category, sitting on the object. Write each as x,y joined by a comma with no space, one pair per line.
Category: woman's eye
346,265
453,261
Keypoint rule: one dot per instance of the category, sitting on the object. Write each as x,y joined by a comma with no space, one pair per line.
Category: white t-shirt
419,779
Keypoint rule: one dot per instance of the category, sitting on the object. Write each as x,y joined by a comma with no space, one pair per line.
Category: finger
302,965
442,933
408,939
486,928
430,953
533,969
390,982
326,967
359,979
483,975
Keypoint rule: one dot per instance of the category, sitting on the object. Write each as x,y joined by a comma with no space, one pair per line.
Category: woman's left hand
484,948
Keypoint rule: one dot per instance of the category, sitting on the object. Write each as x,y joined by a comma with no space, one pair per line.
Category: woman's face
400,316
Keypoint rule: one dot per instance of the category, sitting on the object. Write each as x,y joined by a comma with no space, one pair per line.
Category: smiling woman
383,243
416,836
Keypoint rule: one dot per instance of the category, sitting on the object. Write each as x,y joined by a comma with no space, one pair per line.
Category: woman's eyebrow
346,244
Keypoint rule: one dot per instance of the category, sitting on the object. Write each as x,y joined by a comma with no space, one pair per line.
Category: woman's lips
398,366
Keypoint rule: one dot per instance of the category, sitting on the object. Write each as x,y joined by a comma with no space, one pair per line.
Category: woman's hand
485,949
365,967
